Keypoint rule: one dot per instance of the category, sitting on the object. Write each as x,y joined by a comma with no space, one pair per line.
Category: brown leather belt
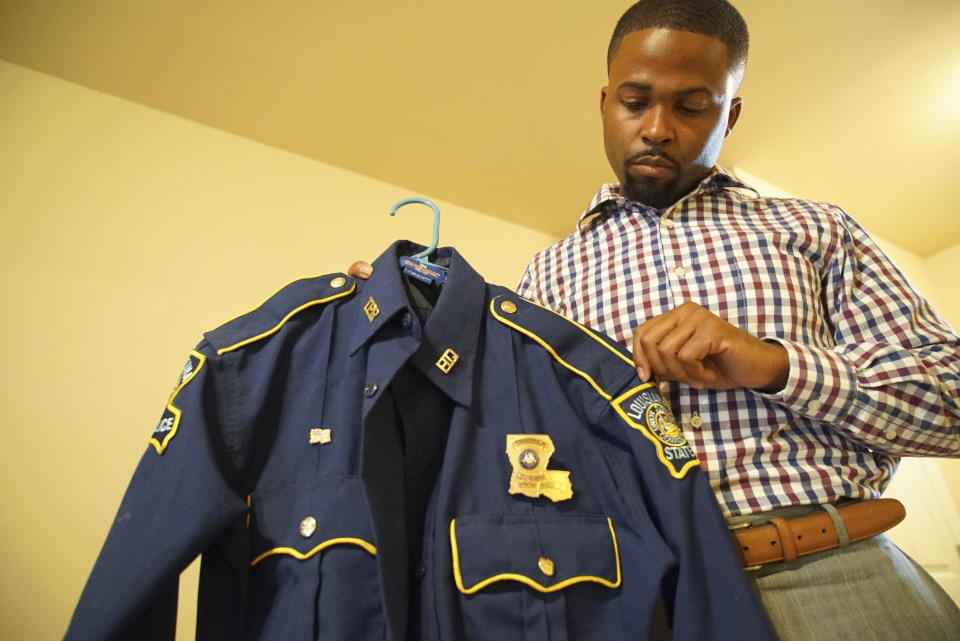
787,539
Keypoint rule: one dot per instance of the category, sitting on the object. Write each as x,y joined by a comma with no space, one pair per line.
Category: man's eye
690,110
634,105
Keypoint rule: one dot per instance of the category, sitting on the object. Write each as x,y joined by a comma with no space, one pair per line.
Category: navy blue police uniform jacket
381,460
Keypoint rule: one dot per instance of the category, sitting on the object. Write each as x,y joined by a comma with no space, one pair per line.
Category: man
799,362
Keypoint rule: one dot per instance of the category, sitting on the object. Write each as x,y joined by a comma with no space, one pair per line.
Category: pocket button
308,526
545,565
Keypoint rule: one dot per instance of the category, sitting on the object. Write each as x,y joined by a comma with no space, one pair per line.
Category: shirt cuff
821,384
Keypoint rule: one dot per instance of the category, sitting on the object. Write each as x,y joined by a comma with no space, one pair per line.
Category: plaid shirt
874,371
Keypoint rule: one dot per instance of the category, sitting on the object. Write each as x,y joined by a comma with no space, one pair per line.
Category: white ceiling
494,105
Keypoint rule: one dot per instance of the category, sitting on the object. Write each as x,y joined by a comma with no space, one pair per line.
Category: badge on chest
529,455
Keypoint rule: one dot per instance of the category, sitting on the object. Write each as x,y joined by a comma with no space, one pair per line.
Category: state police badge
645,410
169,422
529,455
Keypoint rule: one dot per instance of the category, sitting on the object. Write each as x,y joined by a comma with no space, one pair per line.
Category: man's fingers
361,270
646,351
668,350
693,357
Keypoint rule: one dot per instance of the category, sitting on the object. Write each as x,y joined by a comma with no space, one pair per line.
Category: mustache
653,152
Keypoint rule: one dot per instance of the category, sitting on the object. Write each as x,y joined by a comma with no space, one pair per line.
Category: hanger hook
424,255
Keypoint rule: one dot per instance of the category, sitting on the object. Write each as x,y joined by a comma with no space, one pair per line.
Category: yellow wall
125,233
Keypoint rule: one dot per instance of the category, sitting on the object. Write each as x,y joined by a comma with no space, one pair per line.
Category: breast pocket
540,577
314,567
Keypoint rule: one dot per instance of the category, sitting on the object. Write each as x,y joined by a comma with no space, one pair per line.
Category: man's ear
733,115
603,98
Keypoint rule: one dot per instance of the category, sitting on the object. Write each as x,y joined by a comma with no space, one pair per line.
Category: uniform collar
610,198
454,324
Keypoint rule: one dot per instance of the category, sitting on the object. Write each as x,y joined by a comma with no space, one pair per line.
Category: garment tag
422,271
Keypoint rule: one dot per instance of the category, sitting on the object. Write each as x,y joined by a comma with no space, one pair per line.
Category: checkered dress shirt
874,371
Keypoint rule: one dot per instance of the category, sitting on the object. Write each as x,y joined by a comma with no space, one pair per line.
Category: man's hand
691,345
361,270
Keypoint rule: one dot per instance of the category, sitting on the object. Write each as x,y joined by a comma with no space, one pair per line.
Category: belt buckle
747,526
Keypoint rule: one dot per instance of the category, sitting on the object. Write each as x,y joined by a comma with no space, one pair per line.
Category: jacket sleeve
706,593
891,377
177,502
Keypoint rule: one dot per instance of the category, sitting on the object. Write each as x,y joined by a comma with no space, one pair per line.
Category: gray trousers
866,591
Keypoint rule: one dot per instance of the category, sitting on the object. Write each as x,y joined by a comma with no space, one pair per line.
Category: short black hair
715,18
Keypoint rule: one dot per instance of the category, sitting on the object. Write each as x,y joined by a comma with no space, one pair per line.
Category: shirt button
308,526
370,389
406,319
668,222
419,573
680,272
890,434
814,405
545,565
696,422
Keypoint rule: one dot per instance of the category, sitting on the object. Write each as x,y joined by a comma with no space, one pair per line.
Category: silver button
308,526
406,319
680,272
370,389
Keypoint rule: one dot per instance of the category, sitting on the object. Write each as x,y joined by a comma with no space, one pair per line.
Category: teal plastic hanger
424,255
426,271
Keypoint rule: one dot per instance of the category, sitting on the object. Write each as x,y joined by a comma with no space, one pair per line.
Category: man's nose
657,126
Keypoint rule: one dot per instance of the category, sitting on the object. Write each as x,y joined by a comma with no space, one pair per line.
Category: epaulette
604,364
268,317
608,368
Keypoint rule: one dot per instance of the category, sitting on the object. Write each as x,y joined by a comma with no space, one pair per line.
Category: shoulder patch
169,422
597,359
645,410
267,318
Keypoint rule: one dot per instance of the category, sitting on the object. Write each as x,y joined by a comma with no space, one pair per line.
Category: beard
648,191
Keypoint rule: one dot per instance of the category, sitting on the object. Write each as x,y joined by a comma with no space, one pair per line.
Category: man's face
666,110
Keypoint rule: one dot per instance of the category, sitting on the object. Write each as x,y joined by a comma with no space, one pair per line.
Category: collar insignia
371,309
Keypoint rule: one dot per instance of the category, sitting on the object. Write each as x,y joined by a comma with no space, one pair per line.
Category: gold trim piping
510,576
253,309
286,318
549,349
328,543
585,331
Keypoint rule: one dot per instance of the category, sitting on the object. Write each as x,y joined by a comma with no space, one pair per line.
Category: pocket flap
547,553
302,521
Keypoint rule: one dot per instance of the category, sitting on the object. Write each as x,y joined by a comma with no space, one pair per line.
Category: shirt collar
454,324
609,197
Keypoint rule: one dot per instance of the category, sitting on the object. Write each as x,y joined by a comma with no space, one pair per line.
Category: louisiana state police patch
169,422
644,409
